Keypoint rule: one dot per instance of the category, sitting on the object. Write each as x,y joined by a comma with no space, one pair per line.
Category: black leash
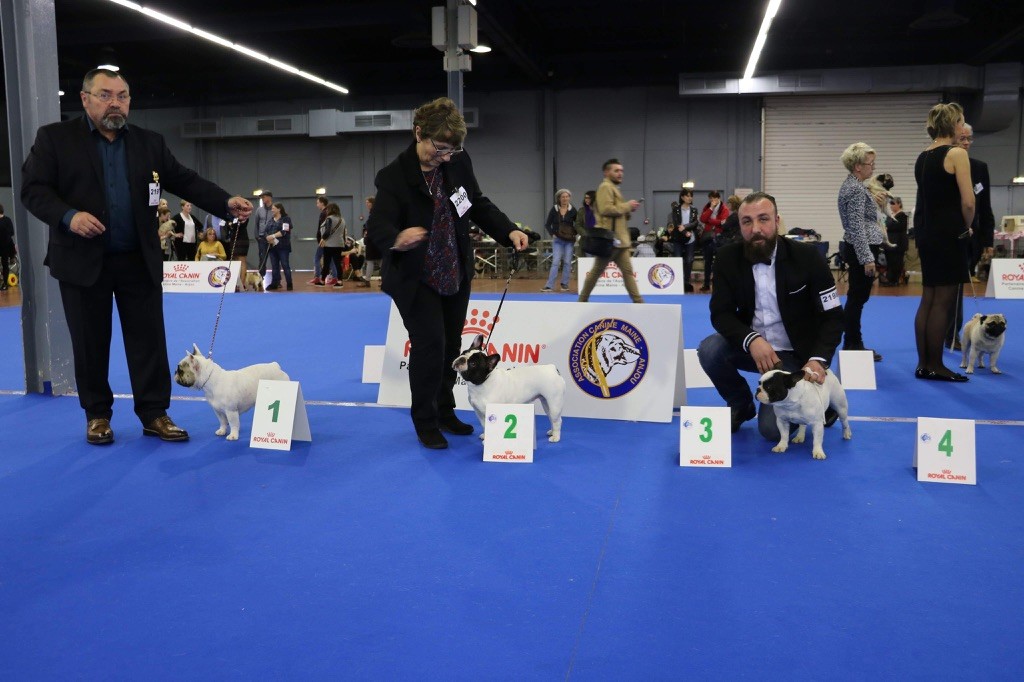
224,291
512,270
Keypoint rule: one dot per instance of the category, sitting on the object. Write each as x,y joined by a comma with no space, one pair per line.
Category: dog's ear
478,342
195,350
793,379
492,361
982,318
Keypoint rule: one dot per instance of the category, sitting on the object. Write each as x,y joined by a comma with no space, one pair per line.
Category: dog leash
512,271
960,296
223,293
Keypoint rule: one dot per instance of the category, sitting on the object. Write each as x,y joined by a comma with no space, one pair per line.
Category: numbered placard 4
279,416
510,433
944,451
705,437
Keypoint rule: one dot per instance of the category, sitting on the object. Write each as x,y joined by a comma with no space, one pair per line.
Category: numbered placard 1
509,433
944,451
279,416
705,437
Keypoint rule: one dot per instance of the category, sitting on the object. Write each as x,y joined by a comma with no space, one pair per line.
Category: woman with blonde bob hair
942,219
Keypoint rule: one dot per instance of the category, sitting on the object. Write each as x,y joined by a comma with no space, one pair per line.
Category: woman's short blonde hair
943,120
440,120
858,152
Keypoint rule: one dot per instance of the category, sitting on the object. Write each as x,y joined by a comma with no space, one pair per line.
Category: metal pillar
29,31
452,52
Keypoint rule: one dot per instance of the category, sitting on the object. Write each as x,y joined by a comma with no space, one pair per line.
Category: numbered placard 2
944,451
510,433
279,416
705,437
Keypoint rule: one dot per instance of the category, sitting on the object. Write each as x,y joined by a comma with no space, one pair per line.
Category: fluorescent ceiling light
224,42
1019,180
109,67
689,184
762,37
481,49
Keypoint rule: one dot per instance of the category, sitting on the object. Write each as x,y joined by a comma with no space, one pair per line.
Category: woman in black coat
420,223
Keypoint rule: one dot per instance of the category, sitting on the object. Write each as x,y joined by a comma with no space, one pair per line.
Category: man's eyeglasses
451,151
106,97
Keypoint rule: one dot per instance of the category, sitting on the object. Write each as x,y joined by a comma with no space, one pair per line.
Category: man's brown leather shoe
98,432
165,429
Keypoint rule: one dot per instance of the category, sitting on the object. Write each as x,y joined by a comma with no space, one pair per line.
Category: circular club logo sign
661,275
219,276
608,358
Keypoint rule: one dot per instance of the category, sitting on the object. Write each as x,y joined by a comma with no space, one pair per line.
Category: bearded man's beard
113,121
757,250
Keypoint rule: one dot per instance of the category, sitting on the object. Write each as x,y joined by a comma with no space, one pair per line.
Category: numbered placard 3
944,451
510,433
705,437
279,416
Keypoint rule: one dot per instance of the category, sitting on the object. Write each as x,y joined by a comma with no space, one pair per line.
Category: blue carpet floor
363,556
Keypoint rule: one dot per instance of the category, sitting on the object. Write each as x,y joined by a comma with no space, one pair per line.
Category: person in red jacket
711,218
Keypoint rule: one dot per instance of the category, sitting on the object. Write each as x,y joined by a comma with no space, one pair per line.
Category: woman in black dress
944,212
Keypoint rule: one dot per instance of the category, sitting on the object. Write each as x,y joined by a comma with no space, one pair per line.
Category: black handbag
598,242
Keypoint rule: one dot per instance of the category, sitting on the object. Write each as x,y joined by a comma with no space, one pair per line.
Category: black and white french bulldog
803,403
515,385
230,392
982,334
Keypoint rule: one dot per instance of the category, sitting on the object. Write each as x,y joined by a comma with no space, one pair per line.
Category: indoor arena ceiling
382,47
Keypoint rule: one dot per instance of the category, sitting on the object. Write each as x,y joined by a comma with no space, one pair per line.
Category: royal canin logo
181,267
481,322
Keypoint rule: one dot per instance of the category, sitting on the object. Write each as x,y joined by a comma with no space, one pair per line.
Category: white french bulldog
230,392
983,334
803,403
516,385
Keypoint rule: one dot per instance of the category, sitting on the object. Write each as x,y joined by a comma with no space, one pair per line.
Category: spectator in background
687,220
585,218
333,236
370,250
942,219
280,239
186,229
896,233
262,220
859,216
211,248
7,250
731,226
560,224
612,213
318,257
712,218
165,231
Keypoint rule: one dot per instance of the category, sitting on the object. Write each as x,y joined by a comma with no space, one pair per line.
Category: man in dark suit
983,228
96,181
774,305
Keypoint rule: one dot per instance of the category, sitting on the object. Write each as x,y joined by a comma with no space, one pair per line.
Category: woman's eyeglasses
448,151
